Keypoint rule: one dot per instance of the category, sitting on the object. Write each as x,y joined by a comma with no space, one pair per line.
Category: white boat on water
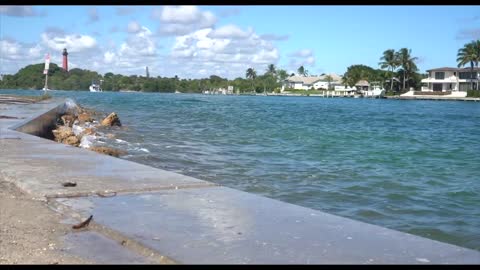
374,93
95,87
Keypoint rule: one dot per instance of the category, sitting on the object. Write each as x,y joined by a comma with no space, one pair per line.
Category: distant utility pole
148,74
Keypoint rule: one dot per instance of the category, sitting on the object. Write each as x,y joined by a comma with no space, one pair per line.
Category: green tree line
32,77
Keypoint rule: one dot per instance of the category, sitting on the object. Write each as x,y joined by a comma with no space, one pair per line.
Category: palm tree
251,74
329,79
468,54
302,71
407,62
282,74
390,61
271,69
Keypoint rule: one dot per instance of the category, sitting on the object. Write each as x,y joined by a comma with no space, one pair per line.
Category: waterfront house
450,79
309,82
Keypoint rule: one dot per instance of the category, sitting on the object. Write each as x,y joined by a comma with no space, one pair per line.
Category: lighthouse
65,59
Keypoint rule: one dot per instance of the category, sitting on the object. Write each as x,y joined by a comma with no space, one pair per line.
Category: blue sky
199,41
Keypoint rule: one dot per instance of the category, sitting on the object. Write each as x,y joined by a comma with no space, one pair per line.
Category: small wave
192,101
144,150
77,130
87,141
120,141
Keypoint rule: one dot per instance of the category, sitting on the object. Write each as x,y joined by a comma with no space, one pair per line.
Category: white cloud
15,55
133,27
223,54
304,57
180,20
301,53
14,50
108,57
139,44
226,51
230,31
274,37
74,42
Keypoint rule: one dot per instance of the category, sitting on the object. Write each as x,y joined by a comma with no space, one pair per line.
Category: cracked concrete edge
112,193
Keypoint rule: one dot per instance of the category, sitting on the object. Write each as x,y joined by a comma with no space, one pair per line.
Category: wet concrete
187,220
100,249
222,225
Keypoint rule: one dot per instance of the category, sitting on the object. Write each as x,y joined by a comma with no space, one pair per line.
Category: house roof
468,69
362,83
305,80
335,77
443,69
453,69
313,79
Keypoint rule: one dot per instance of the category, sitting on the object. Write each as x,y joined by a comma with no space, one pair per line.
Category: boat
376,92
94,87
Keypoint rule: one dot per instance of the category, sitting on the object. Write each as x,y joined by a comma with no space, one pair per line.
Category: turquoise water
407,165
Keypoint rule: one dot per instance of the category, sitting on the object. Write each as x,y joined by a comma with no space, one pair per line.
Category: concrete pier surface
432,97
143,214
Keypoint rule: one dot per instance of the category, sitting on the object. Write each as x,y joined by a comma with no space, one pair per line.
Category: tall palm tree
469,54
302,71
389,60
282,74
407,62
329,79
251,74
271,69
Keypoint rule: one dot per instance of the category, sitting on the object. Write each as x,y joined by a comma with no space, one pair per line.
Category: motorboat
94,87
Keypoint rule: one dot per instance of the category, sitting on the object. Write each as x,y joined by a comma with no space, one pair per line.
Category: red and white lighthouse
65,59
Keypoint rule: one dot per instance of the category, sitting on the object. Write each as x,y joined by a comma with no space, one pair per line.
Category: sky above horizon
199,41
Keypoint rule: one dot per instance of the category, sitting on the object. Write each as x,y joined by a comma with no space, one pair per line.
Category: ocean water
411,166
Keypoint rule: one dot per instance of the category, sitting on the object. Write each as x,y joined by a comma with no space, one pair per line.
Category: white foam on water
87,141
120,141
142,149
77,130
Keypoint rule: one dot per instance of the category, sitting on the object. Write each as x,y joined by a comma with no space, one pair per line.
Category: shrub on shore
473,93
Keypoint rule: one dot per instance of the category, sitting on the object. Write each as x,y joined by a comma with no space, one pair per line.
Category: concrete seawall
148,215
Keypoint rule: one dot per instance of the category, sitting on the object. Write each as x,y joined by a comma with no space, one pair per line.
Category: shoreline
429,97
185,204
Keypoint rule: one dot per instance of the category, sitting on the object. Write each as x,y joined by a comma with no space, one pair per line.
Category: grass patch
473,93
